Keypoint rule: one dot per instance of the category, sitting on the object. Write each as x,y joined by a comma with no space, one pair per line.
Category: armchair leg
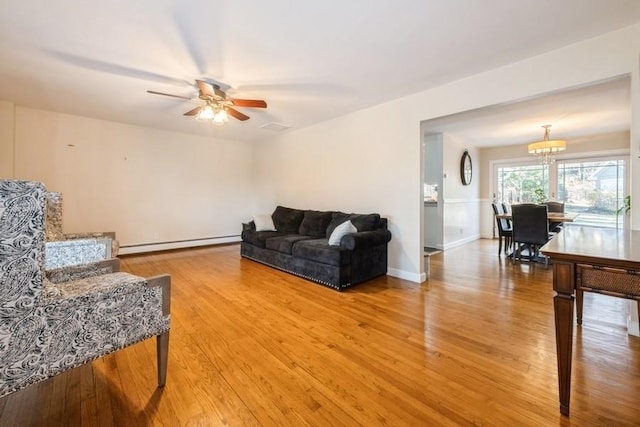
162,343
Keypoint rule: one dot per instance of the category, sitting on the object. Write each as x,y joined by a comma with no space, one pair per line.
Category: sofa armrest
249,226
366,239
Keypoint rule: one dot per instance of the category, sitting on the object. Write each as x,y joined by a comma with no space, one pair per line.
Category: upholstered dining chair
530,228
504,229
555,207
53,321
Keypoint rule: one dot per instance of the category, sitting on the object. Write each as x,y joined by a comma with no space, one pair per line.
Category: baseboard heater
177,244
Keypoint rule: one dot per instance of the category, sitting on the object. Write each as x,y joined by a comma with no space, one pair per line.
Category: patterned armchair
73,315
53,226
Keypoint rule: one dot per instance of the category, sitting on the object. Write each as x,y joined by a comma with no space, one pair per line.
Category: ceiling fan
217,107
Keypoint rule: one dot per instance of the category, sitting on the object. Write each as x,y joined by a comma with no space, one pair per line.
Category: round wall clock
466,168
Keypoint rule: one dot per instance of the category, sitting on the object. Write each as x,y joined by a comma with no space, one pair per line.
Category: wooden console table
593,259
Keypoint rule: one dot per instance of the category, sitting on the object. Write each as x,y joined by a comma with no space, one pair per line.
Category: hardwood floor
251,345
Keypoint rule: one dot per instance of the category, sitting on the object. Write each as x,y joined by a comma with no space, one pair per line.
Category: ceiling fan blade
210,90
237,114
193,112
256,103
206,88
168,94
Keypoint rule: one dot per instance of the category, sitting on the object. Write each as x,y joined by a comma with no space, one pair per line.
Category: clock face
466,168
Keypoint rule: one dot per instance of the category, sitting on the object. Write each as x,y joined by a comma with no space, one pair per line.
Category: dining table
589,259
552,216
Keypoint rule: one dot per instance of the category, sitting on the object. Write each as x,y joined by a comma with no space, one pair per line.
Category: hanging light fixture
547,148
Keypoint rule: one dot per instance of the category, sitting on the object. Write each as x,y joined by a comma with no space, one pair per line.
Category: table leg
563,284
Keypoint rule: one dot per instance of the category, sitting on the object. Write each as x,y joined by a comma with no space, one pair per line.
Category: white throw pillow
339,232
264,222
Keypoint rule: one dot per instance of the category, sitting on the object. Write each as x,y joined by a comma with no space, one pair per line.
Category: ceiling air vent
277,127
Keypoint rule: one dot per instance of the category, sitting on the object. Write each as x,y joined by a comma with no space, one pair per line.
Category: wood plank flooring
252,346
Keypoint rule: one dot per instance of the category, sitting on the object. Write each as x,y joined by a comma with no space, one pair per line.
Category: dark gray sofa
300,245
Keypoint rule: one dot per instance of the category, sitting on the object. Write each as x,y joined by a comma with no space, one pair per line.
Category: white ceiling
596,109
311,61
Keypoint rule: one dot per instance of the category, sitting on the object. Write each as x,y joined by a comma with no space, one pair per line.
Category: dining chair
530,228
504,229
555,207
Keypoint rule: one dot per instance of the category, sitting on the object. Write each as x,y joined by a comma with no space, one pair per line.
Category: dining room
553,177
583,179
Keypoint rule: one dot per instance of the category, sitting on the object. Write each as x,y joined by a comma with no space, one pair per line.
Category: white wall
174,186
461,203
149,186
370,160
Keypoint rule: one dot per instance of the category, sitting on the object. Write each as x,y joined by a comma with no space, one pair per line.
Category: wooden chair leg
162,344
579,301
500,245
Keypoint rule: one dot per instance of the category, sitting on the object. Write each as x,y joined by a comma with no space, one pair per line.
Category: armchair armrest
164,282
90,235
77,272
366,239
98,286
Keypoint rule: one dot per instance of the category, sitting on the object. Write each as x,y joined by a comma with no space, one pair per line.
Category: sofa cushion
264,222
315,223
318,250
259,238
362,222
287,220
340,231
284,243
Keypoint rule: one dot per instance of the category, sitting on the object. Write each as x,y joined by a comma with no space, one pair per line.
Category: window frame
553,170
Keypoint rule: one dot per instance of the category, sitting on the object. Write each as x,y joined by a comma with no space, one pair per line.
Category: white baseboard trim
406,275
461,242
163,246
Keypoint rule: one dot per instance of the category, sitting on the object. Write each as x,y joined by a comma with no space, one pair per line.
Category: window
592,188
523,184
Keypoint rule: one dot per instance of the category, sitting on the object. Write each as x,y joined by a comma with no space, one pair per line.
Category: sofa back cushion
287,220
315,223
362,222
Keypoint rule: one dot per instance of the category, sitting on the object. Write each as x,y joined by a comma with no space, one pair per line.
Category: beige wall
6,139
149,186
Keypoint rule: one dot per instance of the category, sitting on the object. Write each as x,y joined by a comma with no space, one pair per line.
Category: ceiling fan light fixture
206,113
220,117
547,148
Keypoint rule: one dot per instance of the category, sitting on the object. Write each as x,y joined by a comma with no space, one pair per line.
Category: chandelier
547,148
